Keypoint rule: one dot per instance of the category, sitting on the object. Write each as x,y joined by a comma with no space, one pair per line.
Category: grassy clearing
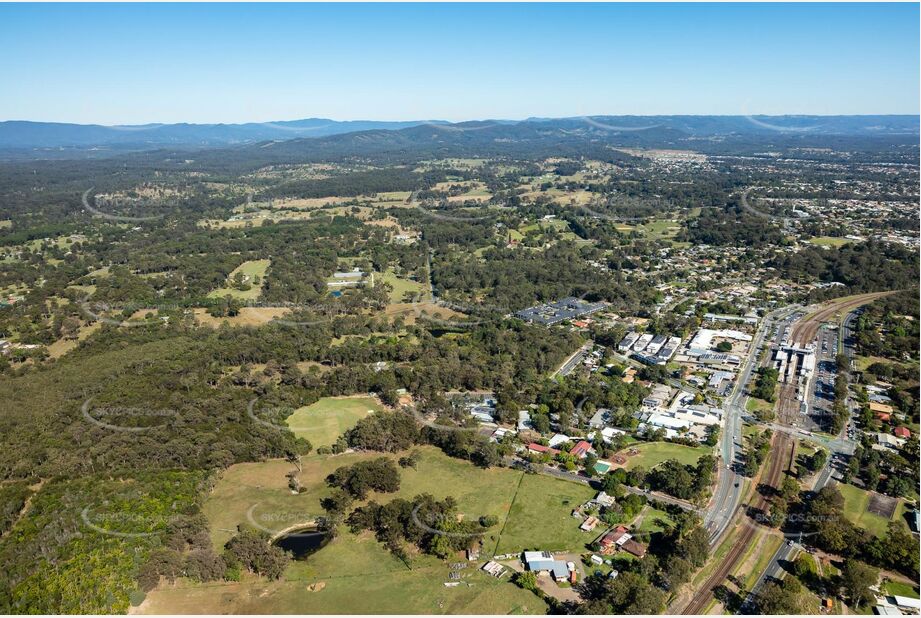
828,241
248,316
478,492
540,516
328,580
863,362
413,312
652,454
250,270
660,229
901,589
755,405
766,548
321,423
400,285
420,591
855,510
62,346
654,520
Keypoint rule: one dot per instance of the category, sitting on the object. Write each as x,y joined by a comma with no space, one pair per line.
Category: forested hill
327,138
26,134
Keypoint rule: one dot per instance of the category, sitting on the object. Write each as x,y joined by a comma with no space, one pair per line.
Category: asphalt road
728,492
570,363
579,478
841,445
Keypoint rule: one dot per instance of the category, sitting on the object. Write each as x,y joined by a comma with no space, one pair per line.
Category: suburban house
880,407
620,539
888,441
600,418
603,499
540,449
581,449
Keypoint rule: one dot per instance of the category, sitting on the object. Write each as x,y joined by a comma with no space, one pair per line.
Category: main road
728,492
839,446
783,447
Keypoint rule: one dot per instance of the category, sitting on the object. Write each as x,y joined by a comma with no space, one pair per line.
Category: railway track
782,444
808,327
784,448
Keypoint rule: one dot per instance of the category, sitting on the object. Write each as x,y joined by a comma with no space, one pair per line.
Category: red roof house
580,449
902,432
534,447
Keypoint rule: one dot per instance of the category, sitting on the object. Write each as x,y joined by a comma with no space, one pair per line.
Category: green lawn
540,517
250,269
901,589
748,430
755,405
828,241
653,453
766,547
653,521
660,228
324,421
264,484
400,285
804,449
419,591
477,491
535,511
855,509
863,362
258,494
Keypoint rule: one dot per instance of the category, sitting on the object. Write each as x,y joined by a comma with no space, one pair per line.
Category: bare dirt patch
881,505
412,312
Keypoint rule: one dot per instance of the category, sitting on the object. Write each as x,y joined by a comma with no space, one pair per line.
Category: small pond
302,542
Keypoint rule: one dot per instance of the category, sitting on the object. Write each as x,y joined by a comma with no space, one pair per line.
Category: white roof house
906,602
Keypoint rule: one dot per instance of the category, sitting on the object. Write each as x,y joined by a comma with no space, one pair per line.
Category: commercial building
559,311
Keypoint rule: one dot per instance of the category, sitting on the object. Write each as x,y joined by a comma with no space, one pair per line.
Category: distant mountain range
26,134
318,136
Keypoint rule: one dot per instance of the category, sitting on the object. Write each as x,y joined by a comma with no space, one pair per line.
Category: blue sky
110,63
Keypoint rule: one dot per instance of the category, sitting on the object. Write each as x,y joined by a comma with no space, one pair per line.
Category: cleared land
400,285
248,316
250,270
654,520
856,503
417,591
653,453
829,241
540,517
413,312
62,346
321,423
326,582
901,589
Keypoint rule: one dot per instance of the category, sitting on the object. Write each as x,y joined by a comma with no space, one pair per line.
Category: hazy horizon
424,120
